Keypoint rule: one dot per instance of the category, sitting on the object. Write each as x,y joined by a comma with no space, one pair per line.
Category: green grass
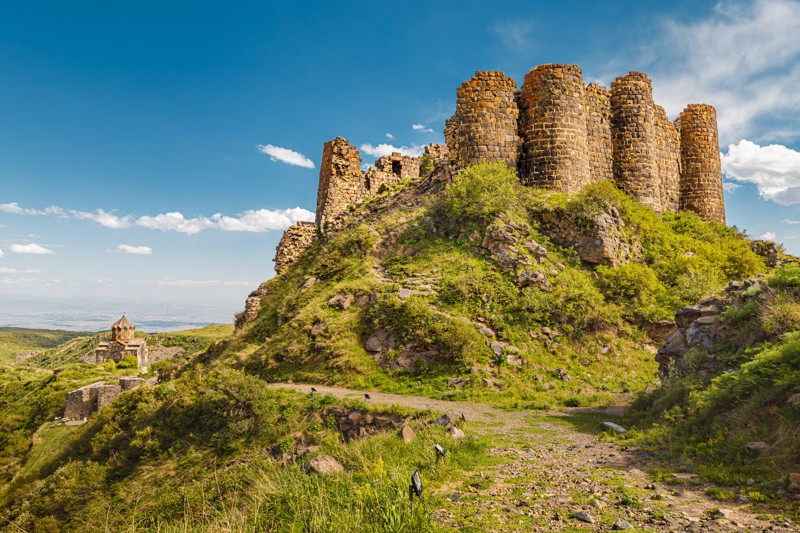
22,340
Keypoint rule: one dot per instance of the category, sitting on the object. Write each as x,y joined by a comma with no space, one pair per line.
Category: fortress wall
598,131
390,170
484,126
701,181
553,128
634,139
341,181
296,240
668,160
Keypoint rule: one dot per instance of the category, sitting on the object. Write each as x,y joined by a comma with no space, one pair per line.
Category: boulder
324,464
406,433
613,427
456,433
310,282
756,449
342,301
447,420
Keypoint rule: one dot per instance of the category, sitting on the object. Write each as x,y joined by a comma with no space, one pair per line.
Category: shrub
786,275
780,313
480,193
129,361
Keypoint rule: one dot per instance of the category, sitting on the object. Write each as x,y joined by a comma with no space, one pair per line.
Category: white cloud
254,220
1,253
774,169
744,59
4,270
389,136
175,221
768,236
128,249
15,209
729,186
107,220
32,248
516,35
421,127
170,282
284,155
384,149
790,222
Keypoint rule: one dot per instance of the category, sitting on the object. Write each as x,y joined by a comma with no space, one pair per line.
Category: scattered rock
310,282
756,449
324,464
622,524
318,328
342,301
613,427
447,420
407,434
456,382
456,433
404,294
583,516
496,347
563,374
486,332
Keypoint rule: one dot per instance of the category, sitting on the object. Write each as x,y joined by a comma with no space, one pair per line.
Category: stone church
122,343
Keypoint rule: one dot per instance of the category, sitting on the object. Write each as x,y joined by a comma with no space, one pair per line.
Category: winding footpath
554,474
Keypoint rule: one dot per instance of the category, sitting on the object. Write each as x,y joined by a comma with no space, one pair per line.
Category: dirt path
551,466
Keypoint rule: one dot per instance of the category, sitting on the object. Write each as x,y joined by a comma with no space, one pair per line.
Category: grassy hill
456,287
21,340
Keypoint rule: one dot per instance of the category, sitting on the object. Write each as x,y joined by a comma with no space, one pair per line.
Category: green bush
129,361
786,275
479,193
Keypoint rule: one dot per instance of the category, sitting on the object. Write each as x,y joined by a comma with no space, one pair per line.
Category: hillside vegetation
14,341
453,288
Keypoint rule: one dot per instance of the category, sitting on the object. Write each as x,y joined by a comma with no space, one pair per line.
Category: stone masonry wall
341,182
296,240
484,126
84,402
701,181
390,170
598,130
634,138
668,160
553,128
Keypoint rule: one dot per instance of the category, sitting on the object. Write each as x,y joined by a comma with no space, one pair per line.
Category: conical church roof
123,323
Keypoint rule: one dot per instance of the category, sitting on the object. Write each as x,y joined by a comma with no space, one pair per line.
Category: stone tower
701,180
484,126
634,139
122,330
668,160
341,181
553,128
598,130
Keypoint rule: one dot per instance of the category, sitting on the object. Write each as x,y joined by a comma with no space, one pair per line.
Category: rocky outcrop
702,329
294,242
383,346
252,306
355,424
598,239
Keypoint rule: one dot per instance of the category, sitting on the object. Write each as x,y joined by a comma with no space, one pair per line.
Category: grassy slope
197,445
21,340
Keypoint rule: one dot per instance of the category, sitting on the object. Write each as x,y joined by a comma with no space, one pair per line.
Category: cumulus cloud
4,270
1,253
768,236
744,59
389,136
107,220
774,169
254,220
384,149
31,249
284,155
729,186
790,222
421,127
128,249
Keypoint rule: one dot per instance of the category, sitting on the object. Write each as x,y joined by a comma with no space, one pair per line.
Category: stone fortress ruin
556,133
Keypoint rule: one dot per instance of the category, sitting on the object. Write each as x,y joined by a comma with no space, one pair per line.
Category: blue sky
156,150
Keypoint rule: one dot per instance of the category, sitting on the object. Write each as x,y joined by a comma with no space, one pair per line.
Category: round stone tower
701,178
484,126
553,128
634,139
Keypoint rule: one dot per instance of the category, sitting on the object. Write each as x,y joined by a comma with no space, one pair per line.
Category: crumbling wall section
598,130
341,181
390,170
634,138
668,160
553,128
701,180
296,240
484,126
